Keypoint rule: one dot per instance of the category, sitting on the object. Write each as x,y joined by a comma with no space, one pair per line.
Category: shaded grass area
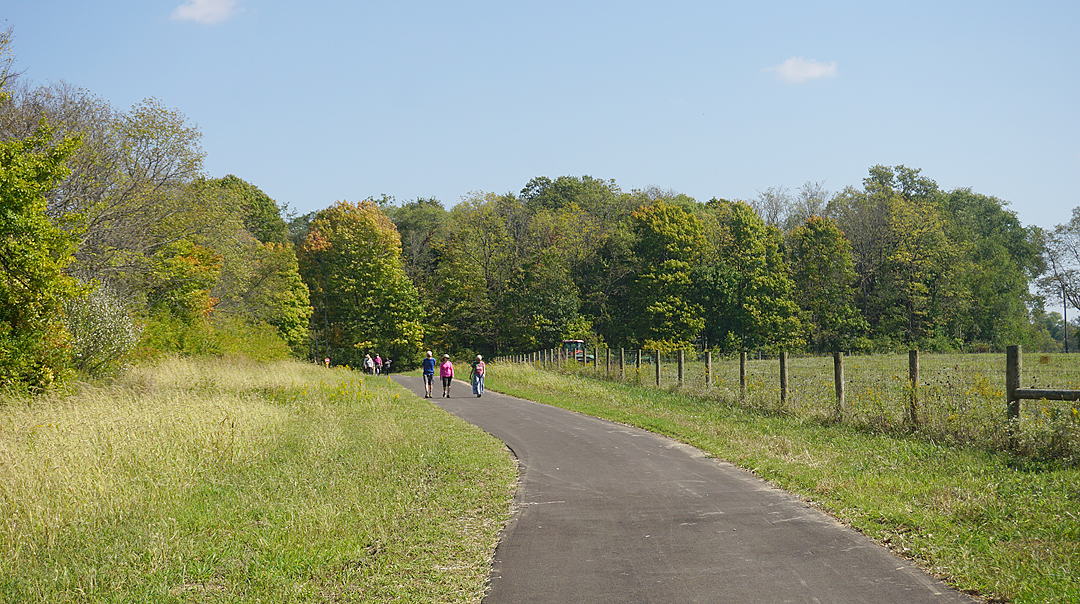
213,481
1004,527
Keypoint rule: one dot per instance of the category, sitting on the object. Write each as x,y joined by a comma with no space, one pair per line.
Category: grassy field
213,481
961,397
998,524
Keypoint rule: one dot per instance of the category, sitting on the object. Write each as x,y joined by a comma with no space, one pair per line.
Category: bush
258,341
33,360
102,331
223,335
165,333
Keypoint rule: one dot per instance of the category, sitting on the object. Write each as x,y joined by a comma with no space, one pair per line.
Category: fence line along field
960,398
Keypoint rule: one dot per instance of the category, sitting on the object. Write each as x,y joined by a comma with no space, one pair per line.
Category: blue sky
318,101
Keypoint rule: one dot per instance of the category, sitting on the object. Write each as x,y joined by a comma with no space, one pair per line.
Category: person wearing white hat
478,371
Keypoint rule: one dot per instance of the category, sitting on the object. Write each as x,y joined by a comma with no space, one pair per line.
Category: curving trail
607,513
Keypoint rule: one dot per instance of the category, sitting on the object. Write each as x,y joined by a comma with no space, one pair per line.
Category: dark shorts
428,377
446,381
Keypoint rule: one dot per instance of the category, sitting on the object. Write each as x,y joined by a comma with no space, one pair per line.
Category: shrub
102,331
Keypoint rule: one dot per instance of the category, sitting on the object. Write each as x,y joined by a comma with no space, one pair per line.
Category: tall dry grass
193,480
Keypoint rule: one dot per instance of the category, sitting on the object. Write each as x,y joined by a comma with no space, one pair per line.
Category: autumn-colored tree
363,300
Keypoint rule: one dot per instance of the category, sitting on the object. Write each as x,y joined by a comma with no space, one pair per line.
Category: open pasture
960,397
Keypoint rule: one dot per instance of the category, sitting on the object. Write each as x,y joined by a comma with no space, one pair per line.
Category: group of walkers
446,372
376,366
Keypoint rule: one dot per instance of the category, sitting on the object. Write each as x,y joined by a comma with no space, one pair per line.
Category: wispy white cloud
205,11
798,70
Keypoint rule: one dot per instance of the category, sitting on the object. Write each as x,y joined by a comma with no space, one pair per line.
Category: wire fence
960,398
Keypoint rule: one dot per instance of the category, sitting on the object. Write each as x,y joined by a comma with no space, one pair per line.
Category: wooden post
607,355
838,378
622,363
913,379
682,365
742,374
657,368
637,367
1013,366
783,380
708,369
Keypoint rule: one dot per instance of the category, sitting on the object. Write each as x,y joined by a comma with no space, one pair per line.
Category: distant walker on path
478,371
429,373
446,372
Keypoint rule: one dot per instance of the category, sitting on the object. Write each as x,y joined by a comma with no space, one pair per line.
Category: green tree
129,190
364,302
261,215
480,261
750,280
1004,258
34,350
907,266
669,244
260,283
823,275
422,225
920,270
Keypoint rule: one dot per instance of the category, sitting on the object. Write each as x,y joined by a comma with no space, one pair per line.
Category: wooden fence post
913,379
622,364
1013,366
708,369
637,367
682,365
607,362
783,380
838,378
657,352
742,374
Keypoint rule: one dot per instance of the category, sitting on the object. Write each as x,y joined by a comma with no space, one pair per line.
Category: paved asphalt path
606,513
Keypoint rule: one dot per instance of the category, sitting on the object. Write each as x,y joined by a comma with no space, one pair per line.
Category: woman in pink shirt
446,371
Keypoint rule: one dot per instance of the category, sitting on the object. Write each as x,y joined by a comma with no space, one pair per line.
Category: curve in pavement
608,513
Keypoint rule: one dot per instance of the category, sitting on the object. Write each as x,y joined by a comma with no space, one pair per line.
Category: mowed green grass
217,481
992,523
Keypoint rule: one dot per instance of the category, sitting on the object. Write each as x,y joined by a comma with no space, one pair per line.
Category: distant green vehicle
575,349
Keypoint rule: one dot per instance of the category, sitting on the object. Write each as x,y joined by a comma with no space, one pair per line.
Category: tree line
895,263
114,244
